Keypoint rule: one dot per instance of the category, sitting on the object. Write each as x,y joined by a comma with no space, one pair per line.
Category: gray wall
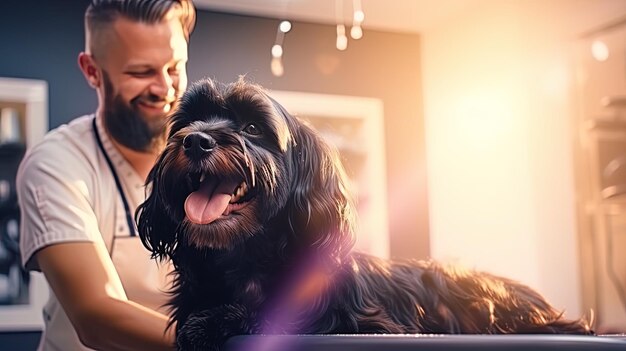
41,40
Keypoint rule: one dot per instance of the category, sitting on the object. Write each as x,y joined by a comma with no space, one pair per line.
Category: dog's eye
252,129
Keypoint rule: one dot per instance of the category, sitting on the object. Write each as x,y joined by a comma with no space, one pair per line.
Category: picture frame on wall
355,125
23,123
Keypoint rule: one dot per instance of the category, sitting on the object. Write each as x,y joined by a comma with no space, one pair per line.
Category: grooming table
425,342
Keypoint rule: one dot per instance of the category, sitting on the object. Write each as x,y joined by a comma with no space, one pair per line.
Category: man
79,188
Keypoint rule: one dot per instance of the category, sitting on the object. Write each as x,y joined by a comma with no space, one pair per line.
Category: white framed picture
23,123
355,126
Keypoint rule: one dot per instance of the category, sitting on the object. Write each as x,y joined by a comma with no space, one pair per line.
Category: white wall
499,106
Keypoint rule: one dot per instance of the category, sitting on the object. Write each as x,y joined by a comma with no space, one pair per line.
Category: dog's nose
198,144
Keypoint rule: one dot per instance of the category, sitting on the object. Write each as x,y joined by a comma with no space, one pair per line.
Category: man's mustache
155,99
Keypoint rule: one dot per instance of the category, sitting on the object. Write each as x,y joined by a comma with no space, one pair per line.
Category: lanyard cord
129,217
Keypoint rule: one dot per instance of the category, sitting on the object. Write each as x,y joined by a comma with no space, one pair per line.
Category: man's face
143,74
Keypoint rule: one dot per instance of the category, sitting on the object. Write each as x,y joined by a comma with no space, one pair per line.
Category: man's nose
163,85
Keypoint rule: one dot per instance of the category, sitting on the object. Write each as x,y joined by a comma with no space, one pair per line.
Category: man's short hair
102,13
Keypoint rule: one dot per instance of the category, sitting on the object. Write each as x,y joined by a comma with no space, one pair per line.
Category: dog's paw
209,330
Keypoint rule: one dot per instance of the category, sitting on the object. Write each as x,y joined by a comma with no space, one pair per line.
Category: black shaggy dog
252,207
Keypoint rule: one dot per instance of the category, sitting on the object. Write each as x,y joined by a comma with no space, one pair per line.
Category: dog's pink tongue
206,204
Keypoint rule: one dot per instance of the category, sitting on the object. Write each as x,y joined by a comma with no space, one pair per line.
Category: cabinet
601,173
355,126
23,122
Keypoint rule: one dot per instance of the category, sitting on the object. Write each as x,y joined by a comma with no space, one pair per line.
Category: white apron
144,285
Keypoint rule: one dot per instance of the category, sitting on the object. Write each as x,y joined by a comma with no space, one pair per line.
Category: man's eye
252,129
140,74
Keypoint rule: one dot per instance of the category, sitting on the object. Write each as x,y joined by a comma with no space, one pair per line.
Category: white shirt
67,193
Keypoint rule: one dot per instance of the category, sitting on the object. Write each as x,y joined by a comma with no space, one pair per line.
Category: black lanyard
129,217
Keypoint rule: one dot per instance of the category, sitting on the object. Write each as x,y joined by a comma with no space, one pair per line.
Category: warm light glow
599,50
499,128
359,16
485,118
277,51
356,32
342,40
277,67
285,26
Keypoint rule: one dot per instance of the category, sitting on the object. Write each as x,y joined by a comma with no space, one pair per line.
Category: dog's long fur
284,263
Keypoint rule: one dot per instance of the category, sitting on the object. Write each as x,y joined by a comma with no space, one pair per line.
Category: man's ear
90,69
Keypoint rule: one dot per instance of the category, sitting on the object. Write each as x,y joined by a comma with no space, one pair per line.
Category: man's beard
126,124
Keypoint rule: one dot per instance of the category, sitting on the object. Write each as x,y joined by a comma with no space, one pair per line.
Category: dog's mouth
214,198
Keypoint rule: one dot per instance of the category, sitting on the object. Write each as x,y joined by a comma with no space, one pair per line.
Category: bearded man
79,188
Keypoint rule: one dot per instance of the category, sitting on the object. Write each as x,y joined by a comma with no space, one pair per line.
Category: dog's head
237,164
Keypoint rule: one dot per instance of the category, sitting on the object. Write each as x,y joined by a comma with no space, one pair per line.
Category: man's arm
84,280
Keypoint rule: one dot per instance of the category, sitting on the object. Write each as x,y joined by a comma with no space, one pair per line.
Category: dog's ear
156,228
321,207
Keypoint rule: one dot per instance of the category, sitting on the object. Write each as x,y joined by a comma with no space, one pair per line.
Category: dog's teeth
202,177
238,193
234,199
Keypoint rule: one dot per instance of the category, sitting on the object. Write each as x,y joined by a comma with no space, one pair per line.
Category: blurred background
489,133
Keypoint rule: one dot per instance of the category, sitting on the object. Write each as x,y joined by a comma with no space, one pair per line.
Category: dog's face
234,163
223,164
